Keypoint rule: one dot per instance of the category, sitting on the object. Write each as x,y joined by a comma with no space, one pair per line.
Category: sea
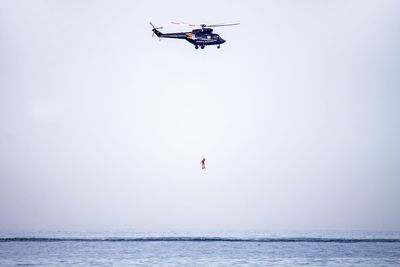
288,248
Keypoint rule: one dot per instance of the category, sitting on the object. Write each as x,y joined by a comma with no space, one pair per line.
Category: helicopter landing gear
202,47
197,47
218,46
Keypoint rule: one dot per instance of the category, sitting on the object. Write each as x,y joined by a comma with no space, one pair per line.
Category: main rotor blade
152,25
222,25
204,25
185,24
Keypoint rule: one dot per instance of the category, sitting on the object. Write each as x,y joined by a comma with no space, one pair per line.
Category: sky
103,127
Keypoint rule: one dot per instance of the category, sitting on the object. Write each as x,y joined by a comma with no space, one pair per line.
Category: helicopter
200,37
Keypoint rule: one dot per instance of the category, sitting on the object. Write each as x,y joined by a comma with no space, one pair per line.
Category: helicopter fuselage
198,37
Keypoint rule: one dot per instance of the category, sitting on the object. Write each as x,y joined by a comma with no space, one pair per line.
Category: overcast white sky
103,127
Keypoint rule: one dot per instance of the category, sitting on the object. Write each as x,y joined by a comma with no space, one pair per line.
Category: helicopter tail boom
179,35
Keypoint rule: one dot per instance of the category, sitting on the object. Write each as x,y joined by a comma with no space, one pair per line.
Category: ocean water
201,249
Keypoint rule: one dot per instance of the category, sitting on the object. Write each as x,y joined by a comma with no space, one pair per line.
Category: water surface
201,249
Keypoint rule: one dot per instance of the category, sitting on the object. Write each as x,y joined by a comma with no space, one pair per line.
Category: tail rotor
155,30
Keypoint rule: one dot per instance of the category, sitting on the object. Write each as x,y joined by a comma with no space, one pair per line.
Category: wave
202,239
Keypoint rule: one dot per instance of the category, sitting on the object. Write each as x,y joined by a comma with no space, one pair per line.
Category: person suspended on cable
203,163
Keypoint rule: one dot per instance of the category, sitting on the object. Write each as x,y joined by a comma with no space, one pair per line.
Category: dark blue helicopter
197,37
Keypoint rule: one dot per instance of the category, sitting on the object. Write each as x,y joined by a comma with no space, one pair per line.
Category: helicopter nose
222,40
